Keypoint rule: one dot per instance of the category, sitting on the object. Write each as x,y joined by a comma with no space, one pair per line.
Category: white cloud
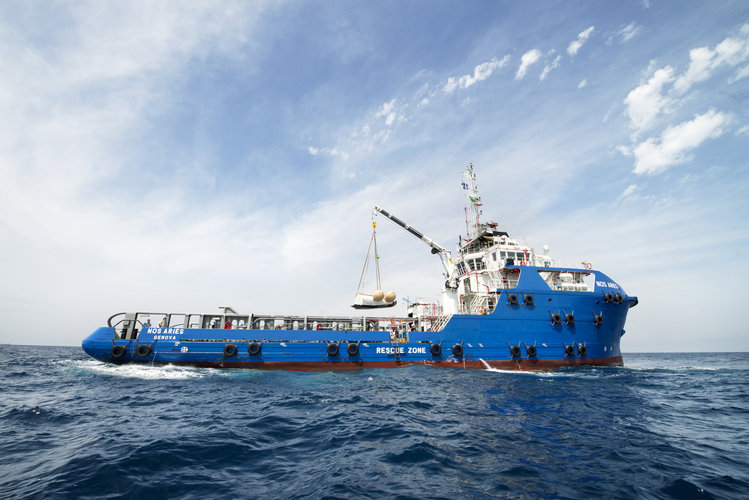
387,110
329,152
553,65
529,58
656,155
582,37
740,74
701,61
582,83
645,102
704,61
480,72
629,31
627,192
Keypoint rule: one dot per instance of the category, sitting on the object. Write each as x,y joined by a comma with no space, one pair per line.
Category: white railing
440,321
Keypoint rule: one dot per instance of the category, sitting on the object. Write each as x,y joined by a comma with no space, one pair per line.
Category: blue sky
182,156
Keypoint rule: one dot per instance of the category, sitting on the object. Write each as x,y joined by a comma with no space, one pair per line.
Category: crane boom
444,253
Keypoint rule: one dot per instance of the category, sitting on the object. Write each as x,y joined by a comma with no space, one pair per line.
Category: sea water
663,426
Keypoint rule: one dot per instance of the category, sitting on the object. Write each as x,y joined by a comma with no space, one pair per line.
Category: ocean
663,426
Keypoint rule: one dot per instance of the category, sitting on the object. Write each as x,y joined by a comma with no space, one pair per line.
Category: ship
502,306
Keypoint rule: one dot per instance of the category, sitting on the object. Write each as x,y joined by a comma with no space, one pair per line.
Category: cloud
627,192
480,72
672,148
740,74
645,102
629,32
529,58
387,110
582,83
582,37
704,61
553,65
329,152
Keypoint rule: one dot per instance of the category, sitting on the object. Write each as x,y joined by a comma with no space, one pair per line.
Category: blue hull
516,335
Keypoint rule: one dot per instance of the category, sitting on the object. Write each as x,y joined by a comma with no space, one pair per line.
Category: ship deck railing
166,320
128,325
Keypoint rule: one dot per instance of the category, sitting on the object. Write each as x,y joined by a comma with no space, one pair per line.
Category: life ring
512,298
531,351
588,265
332,349
481,310
582,350
254,349
319,326
515,351
556,319
569,319
569,350
143,350
230,350
352,349
598,320
435,349
118,351
458,350
528,299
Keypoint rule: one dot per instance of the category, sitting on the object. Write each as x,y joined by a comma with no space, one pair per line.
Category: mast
473,203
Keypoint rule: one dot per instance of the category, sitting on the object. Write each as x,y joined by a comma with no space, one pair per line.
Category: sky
181,156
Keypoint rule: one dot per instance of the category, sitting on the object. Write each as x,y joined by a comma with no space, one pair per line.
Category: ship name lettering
167,331
604,284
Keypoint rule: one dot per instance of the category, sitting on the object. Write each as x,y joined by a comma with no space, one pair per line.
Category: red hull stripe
516,365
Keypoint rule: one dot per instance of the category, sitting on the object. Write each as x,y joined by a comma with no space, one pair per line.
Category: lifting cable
372,243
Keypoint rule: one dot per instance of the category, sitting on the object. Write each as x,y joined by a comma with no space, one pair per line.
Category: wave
138,371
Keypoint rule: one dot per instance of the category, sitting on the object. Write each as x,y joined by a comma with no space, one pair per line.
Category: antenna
473,203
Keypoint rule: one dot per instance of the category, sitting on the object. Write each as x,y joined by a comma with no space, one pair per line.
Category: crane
442,252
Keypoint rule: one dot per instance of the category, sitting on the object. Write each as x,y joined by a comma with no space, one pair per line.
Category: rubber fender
143,350
512,298
352,349
458,350
254,349
435,349
530,350
332,349
515,351
118,351
230,350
